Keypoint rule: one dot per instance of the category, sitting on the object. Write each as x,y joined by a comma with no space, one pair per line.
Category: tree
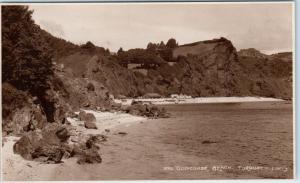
162,45
107,51
151,46
26,56
120,51
171,43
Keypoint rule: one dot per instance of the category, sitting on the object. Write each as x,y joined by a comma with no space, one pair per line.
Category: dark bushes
26,56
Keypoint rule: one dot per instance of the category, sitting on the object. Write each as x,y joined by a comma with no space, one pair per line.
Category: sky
267,27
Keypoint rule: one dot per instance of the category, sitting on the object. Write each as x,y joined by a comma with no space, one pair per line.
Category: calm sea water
233,141
240,135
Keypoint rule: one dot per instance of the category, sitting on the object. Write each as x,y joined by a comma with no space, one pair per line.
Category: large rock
88,152
90,156
89,120
27,144
90,125
62,133
147,110
48,153
47,143
89,117
30,117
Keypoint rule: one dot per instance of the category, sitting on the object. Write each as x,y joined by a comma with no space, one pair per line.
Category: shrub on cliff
89,46
140,56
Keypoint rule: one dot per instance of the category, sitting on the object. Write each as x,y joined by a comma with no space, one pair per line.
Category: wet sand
205,141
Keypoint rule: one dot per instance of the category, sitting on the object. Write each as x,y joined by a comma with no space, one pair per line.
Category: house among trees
141,60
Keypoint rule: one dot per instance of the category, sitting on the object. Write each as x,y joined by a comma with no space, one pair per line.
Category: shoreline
197,100
125,155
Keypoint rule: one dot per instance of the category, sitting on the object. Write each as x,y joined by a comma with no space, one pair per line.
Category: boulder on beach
90,125
46,143
62,133
50,145
54,133
89,120
89,117
88,152
148,110
48,153
89,156
27,144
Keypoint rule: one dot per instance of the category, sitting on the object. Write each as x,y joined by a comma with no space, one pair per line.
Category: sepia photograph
148,91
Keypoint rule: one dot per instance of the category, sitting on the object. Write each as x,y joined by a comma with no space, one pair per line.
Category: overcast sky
267,27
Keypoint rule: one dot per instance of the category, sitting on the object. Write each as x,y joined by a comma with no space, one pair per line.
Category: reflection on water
235,134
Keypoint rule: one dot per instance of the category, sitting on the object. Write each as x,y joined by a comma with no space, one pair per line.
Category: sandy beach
197,142
16,168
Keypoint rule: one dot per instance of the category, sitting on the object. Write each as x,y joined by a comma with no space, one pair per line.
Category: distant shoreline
198,100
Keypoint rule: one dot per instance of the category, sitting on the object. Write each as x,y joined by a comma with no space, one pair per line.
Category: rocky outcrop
148,110
51,144
83,92
88,152
21,112
46,144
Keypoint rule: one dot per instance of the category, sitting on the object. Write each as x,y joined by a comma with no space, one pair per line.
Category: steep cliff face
202,69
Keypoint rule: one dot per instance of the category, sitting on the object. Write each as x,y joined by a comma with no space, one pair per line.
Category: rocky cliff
205,68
